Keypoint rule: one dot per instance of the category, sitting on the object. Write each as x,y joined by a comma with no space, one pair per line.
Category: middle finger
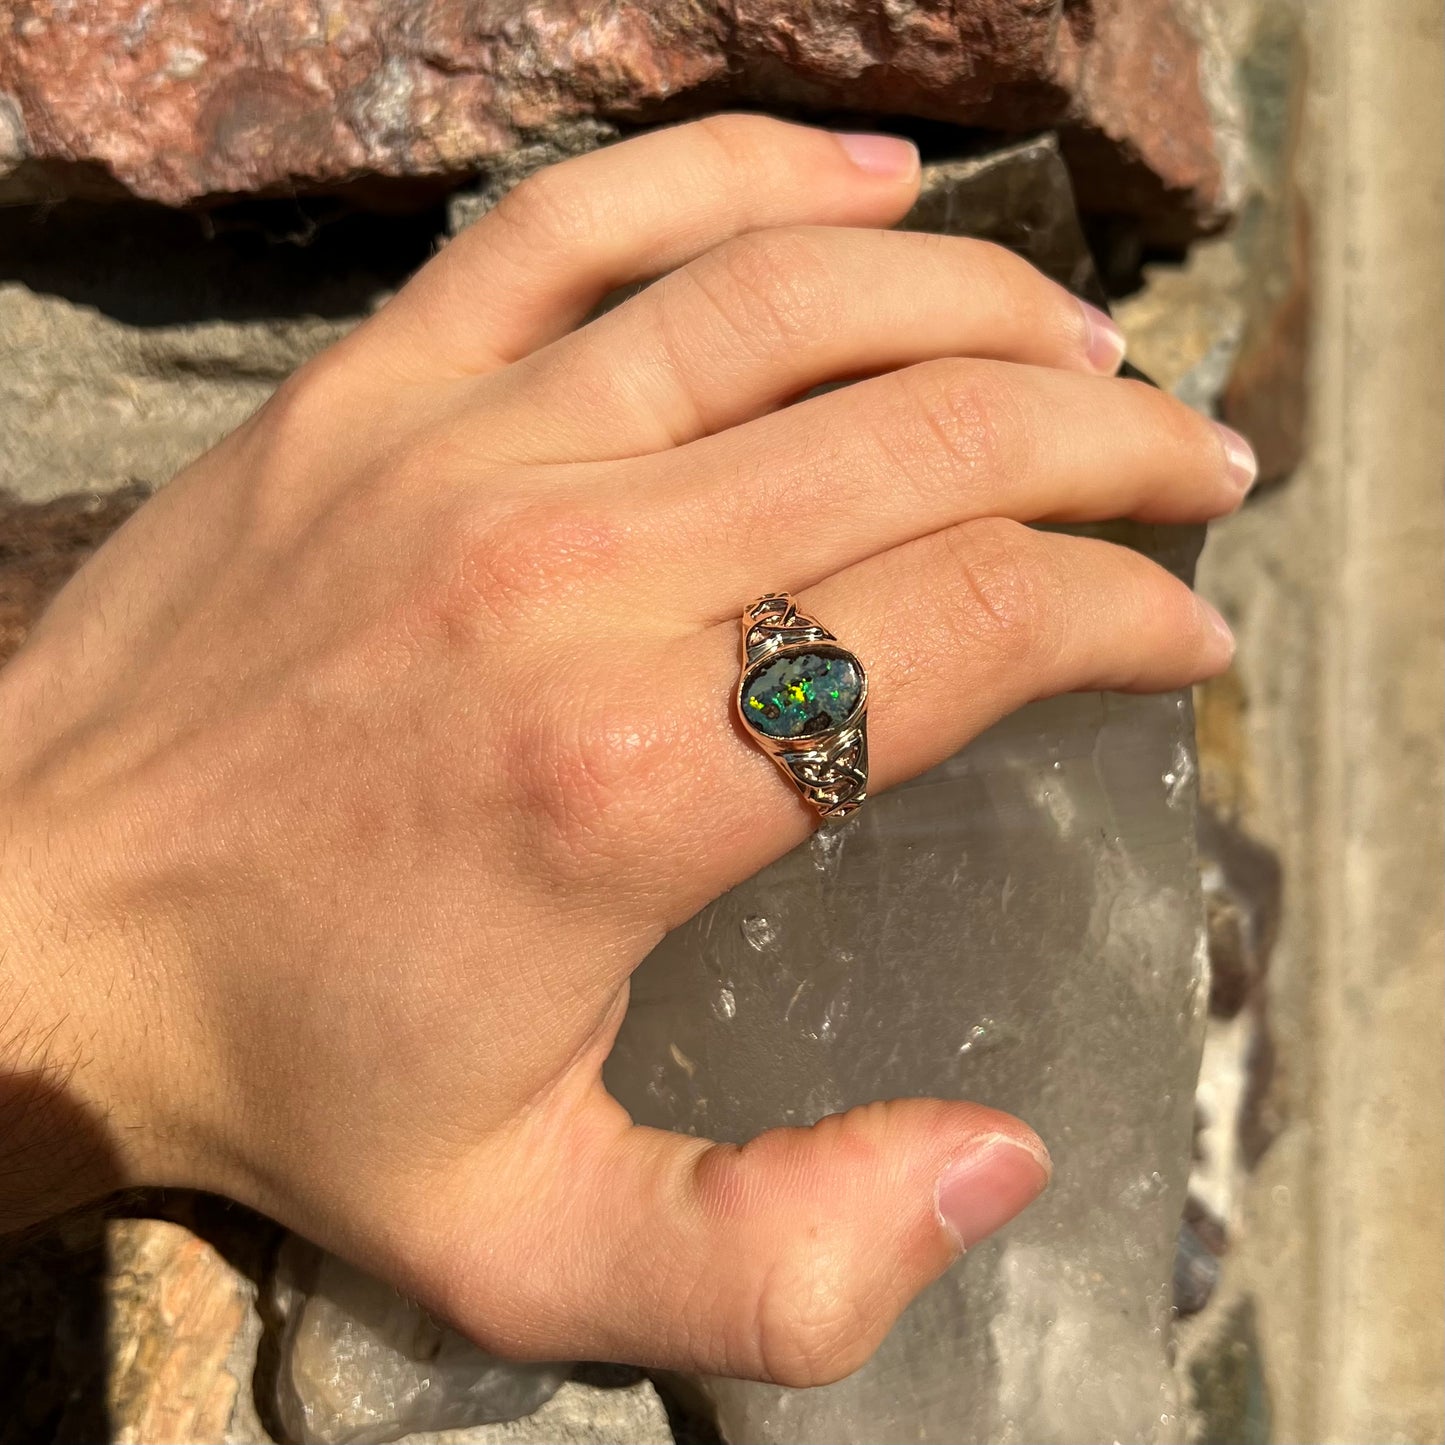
767,316
791,498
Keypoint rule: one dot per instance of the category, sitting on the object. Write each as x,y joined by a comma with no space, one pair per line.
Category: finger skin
974,621
786,1259
771,314
531,269
789,499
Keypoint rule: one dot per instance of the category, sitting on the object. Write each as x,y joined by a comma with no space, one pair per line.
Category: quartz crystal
1020,926
360,1364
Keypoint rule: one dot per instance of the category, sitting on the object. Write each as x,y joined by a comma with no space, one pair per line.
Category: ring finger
956,630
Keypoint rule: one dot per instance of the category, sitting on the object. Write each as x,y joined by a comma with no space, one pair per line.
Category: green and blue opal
802,694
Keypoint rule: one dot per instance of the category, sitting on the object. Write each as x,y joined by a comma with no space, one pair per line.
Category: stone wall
195,100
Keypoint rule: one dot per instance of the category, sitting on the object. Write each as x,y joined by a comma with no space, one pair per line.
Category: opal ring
803,700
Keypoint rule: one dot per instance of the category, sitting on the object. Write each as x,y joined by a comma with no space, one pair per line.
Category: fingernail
998,1178
888,156
1221,629
1104,342
1243,468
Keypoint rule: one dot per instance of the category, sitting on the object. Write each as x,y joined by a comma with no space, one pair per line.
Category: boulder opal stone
802,694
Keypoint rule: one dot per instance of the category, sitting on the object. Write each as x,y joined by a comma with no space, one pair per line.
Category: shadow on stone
249,261
1230,1393
52,1274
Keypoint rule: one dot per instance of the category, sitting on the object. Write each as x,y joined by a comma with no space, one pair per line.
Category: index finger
534,267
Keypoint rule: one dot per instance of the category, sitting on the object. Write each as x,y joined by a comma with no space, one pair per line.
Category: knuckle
587,764
819,1308
991,264
1018,296
284,438
773,287
1169,609
962,423
1039,308
1002,594
1169,419
513,567
300,411
545,208
738,139
1017,283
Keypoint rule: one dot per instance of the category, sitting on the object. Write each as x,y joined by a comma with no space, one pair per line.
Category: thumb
786,1259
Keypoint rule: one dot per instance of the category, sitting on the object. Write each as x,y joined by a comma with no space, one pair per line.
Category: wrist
56,1148
77,1097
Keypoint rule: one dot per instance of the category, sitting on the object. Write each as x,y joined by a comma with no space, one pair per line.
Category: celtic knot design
833,778
773,622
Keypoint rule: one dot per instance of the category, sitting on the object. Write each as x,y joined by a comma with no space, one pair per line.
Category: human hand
347,784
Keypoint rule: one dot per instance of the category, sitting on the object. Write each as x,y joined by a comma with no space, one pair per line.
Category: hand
347,784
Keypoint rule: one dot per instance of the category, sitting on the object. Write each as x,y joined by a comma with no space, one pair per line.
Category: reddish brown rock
40,546
202,98
1267,394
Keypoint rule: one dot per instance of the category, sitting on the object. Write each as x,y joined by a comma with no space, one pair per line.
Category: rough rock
1266,394
577,1414
359,1364
1229,330
120,362
1242,895
181,1335
362,1365
52,1340
1230,1391
1237,1113
1266,397
205,98
1019,196
1185,324
1197,1264
1235,1116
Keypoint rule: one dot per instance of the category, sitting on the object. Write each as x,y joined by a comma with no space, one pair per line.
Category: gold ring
804,700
